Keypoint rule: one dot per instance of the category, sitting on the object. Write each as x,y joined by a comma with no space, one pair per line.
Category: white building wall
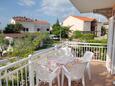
43,28
13,21
28,25
74,23
87,26
99,25
33,27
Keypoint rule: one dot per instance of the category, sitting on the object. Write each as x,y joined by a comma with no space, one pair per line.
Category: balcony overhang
107,12
103,7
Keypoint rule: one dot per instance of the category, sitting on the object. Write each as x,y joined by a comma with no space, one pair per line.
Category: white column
113,49
31,71
110,44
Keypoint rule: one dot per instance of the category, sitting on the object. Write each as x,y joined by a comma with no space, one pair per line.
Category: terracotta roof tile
22,19
25,19
84,18
40,22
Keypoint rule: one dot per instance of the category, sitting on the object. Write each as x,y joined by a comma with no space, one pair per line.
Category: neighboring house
106,26
83,24
31,25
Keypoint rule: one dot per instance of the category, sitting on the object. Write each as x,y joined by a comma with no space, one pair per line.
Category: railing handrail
13,64
74,42
24,59
91,46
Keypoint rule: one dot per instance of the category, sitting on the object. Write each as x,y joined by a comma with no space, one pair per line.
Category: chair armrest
55,70
64,68
66,72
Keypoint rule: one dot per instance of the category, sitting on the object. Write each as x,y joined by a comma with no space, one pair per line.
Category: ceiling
98,6
85,6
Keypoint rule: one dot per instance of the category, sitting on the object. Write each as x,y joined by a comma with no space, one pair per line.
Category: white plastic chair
43,74
42,60
87,58
75,72
67,51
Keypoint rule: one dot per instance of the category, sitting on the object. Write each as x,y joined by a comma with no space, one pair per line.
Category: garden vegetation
29,43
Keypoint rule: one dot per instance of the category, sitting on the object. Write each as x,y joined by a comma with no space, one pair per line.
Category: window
27,29
47,29
38,29
24,29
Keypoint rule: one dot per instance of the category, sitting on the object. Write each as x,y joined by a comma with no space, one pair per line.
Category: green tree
13,28
64,32
9,28
103,31
29,43
77,34
57,22
57,29
18,27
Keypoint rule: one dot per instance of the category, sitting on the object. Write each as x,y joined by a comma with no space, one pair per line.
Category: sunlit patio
27,72
100,76
49,66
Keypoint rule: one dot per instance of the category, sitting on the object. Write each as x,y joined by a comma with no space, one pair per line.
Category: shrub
97,41
22,48
13,28
87,36
77,34
1,39
103,31
28,44
70,38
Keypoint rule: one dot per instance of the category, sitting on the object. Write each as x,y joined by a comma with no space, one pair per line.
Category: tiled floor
100,77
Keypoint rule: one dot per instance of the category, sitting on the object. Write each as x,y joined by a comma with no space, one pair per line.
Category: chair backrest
67,51
43,60
77,70
88,56
42,72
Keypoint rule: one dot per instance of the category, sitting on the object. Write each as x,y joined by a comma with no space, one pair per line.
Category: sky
48,10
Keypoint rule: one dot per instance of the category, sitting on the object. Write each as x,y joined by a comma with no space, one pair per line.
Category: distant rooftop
84,18
25,19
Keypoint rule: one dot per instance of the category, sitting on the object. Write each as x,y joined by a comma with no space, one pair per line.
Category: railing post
0,79
31,71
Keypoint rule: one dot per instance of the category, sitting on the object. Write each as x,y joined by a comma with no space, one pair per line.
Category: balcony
21,73
100,76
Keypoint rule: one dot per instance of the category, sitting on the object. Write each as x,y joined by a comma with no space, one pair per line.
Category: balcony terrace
21,73
100,76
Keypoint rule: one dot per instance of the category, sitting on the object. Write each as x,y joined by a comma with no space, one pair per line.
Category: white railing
21,73
98,49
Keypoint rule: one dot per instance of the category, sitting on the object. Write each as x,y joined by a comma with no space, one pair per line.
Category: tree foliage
64,32
58,29
28,44
77,34
13,28
1,39
83,37
103,31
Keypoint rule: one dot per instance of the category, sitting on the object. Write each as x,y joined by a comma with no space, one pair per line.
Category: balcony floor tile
100,76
